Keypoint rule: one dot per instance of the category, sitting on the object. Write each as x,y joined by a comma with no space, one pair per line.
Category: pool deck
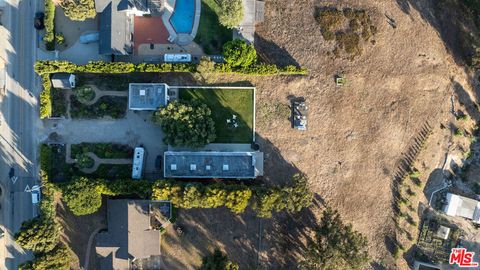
181,38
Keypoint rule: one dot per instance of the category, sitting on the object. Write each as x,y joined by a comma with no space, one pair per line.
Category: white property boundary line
230,87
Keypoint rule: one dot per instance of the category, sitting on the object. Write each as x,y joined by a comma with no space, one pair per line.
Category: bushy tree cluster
218,261
237,53
336,246
292,198
79,10
82,196
39,235
49,22
186,124
231,13
58,259
234,197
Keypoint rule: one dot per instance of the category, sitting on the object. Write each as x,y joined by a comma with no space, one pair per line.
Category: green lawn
211,34
225,103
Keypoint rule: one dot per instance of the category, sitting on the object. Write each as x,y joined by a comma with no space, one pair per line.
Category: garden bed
225,103
114,107
59,104
103,150
54,164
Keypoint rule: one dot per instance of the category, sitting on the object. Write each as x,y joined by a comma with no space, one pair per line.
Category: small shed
63,80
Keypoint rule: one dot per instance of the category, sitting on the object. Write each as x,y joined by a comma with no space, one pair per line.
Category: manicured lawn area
211,34
225,103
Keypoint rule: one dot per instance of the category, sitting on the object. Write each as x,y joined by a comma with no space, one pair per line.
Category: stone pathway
89,247
100,93
97,161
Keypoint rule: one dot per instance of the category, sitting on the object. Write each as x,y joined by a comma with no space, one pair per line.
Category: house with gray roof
212,164
147,96
130,239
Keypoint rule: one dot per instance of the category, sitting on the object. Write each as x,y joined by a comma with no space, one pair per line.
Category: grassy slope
224,103
211,34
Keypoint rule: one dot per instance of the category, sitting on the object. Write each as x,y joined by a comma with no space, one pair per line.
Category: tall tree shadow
271,53
453,23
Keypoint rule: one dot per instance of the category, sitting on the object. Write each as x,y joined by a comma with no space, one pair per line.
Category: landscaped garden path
96,160
100,93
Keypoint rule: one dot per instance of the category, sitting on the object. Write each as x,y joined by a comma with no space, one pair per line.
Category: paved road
18,116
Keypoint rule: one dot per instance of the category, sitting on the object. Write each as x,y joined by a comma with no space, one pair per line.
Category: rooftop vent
173,167
142,92
193,167
225,167
208,167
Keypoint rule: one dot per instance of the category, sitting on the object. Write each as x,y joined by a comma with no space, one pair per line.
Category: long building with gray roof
212,164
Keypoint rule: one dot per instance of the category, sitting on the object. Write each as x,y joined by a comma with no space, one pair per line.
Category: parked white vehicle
35,194
177,58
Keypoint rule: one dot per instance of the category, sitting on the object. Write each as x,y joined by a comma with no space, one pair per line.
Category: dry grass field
357,133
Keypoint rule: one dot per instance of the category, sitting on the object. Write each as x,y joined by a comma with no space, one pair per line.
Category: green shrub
292,198
336,246
83,161
186,124
45,158
59,38
46,97
231,13
79,10
106,67
82,196
44,67
49,21
84,93
414,174
237,53
39,235
217,261
58,259
234,197
459,132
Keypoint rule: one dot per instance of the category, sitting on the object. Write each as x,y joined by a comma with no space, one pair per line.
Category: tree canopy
186,124
337,246
237,53
79,10
82,196
58,259
292,198
231,13
218,261
39,235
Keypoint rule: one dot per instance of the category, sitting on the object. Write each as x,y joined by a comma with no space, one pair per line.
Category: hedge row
49,22
46,97
45,67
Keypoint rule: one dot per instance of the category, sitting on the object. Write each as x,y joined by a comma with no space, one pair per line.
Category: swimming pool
183,15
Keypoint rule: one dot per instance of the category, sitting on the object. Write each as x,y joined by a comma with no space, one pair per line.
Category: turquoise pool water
183,15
